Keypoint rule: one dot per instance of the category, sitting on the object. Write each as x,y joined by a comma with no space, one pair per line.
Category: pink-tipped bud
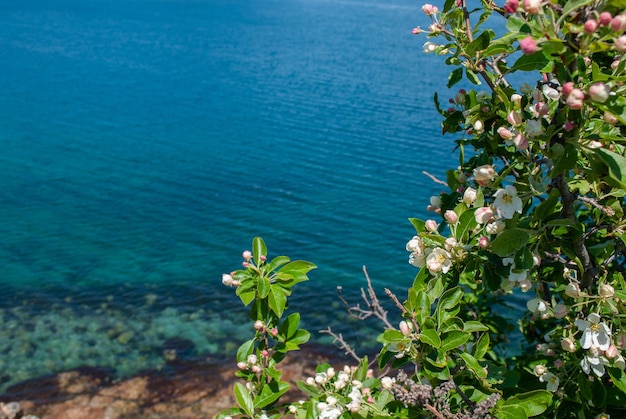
618,24
606,291
567,88
528,45
605,18
568,345
451,217
599,92
511,6
504,133
405,329
483,242
569,126
274,332
416,30
575,99
611,352
560,311
431,225
483,215
609,118
620,44
429,9
263,258
532,6
590,26
514,118
247,255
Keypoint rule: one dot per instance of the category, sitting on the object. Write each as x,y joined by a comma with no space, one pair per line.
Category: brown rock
184,389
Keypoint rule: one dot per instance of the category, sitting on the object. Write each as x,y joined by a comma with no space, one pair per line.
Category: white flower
551,380
321,378
227,280
415,245
438,261
516,275
595,364
469,196
495,227
537,305
329,412
430,47
483,215
386,383
417,259
550,92
594,332
507,202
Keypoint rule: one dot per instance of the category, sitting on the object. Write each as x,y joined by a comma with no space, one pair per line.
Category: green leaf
310,390
245,350
509,241
566,161
512,412
455,76
430,337
467,222
258,249
277,299
270,393
472,77
530,62
479,43
244,400
618,377
453,340
289,327
246,295
420,225
302,336
263,287
447,303
301,266
474,326
277,262
481,346
616,164
533,402
392,335
473,365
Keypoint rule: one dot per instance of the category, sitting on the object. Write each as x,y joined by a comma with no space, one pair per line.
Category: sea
145,143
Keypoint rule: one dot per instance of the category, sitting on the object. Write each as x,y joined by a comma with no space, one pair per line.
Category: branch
342,343
374,308
607,210
434,179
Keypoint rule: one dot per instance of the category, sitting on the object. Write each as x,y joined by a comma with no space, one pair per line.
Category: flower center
594,328
507,199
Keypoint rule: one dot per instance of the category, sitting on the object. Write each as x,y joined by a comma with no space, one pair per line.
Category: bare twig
434,411
607,210
434,179
341,343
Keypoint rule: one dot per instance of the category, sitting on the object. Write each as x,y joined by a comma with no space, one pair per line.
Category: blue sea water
146,142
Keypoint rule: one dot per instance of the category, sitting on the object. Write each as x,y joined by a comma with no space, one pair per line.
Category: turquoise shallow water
146,142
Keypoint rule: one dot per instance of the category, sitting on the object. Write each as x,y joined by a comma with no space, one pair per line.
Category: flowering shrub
535,209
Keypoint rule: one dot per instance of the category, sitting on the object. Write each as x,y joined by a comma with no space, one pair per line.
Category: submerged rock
185,389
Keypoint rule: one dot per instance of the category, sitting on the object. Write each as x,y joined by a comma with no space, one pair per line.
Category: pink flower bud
274,332
618,24
504,133
532,6
416,30
431,225
542,108
569,126
575,99
521,142
469,196
256,369
572,290
404,328
528,45
247,255
590,26
263,258
511,6
242,365
429,9
611,352
514,118
599,92
264,353
484,174
605,18
451,217
609,118
620,44
516,99
259,325
568,345
567,88
483,242
483,215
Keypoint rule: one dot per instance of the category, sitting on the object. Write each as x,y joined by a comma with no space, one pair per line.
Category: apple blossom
528,45
479,126
429,47
417,259
429,9
484,174
514,118
416,30
439,260
568,345
606,291
569,126
511,6
483,242
431,225
620,44
542,108
469,196
415,245
595,333
483,215
539,370
550,92
551,380
504,133
521,142
386,383
525,285
611,352
532,6
594,363
495,227
575,99
567,88
516,99
507,202
609,118
560,311
517,275
605,18
599,92
618,23
590,26
451,217
572,290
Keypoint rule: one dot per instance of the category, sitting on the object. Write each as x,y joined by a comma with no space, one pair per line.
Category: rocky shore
197,388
